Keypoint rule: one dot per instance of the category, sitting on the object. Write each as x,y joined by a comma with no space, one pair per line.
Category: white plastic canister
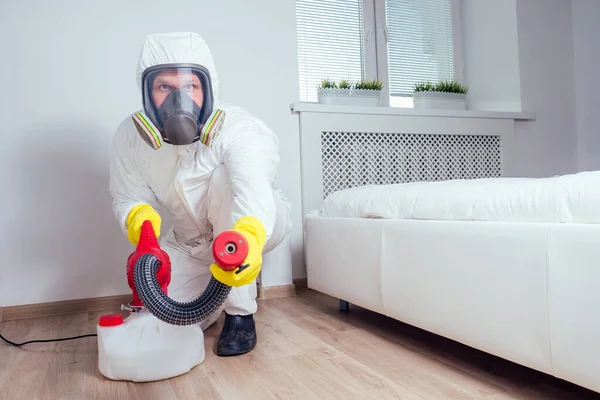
143,348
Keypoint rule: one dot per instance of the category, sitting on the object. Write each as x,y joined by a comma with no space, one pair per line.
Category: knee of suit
272,243
282,227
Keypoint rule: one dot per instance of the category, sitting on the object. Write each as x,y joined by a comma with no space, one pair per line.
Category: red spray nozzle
230,249
148,244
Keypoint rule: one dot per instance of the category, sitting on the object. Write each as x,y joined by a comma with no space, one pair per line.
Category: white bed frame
526,292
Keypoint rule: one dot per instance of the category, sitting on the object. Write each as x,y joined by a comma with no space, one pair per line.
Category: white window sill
335,109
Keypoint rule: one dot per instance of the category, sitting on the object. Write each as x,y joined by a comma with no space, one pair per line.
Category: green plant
344,84
373,84
424,87
328,84
448,86
368,84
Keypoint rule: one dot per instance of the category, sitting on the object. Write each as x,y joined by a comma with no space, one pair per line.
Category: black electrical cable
46,340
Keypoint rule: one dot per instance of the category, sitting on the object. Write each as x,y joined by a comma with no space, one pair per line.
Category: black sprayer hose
168,310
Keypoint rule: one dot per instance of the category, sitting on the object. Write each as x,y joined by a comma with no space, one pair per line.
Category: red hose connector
148,244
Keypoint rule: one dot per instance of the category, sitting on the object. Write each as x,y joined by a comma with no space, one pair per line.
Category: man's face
170,80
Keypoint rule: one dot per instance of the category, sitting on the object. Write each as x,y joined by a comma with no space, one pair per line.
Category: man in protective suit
207,166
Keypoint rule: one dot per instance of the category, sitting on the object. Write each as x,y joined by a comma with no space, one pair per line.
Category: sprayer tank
142,348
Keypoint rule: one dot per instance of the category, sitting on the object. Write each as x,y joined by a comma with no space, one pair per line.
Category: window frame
375,45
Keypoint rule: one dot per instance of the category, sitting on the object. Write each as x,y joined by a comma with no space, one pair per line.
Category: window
400,42
330,43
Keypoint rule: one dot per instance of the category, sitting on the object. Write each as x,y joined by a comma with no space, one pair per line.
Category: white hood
177,47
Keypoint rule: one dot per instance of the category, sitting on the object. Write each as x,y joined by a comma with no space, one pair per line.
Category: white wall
69,79
491,54
586,36
546,146
519,56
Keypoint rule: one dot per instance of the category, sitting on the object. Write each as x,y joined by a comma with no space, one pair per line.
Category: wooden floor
307,350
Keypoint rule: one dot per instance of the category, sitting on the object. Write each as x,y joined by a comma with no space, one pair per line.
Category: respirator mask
178,105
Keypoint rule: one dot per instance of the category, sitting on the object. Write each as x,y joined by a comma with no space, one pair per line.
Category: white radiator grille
351,159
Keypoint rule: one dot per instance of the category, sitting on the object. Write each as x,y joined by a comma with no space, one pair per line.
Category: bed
515,275
449,244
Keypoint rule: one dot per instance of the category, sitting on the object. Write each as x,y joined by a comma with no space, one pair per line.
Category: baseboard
107,303
275,292
113,303
300,283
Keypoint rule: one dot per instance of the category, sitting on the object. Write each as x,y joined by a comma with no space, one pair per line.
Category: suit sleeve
126,184
251,154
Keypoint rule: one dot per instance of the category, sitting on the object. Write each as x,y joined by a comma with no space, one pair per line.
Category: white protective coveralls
204,189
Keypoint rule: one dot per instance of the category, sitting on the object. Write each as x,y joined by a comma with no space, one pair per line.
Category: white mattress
573,198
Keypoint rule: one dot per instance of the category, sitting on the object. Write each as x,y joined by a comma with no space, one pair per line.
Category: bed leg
344,305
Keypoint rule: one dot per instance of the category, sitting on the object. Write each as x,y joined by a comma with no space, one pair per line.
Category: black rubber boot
238,335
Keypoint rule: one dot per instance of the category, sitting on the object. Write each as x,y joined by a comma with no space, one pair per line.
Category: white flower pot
440,100
349,97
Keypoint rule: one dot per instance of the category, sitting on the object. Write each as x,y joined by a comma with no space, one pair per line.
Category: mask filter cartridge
147,131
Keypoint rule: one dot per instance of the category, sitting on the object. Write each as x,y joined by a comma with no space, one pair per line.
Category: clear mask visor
172,90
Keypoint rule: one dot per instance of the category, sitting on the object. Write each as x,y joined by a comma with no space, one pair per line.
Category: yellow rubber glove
136,218
256,235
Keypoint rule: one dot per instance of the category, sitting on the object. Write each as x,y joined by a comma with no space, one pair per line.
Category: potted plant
362,93
446,94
